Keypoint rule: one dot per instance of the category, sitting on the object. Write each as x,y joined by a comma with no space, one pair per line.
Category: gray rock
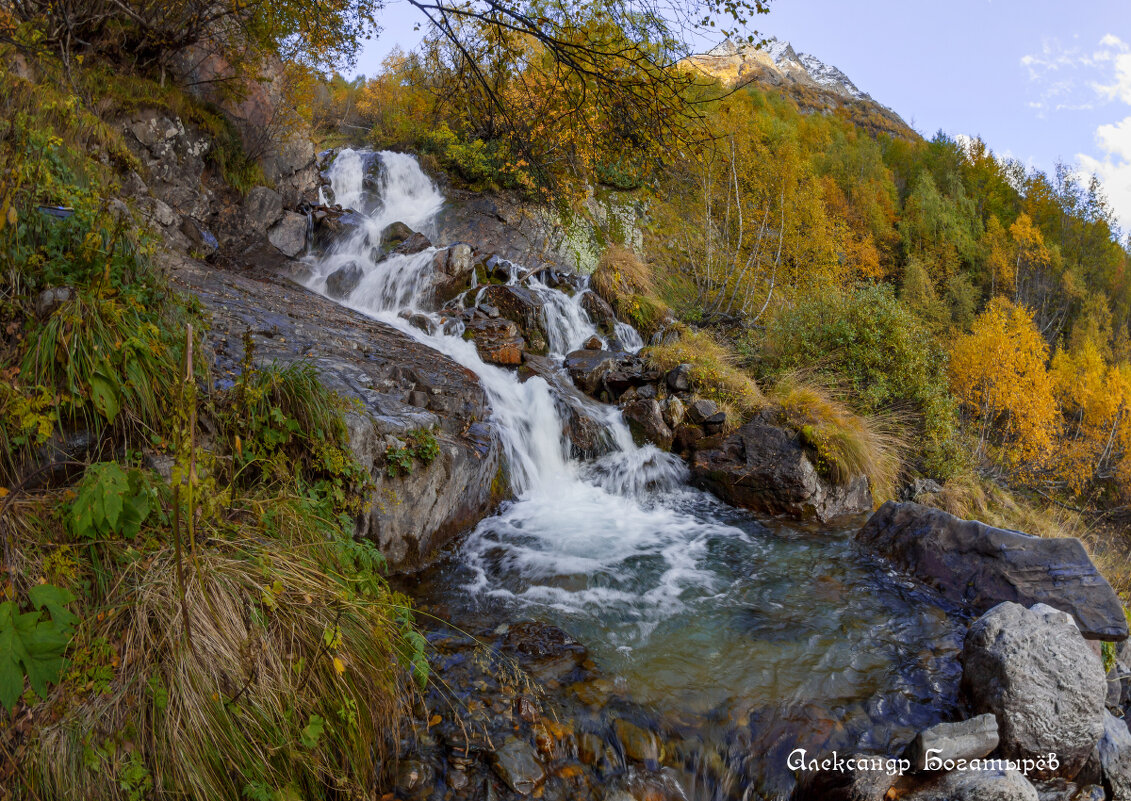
344,280
967,739
517,764
701,409
977,785
922,486
674,412
981,566
289,234
765,468
203,241
679,378
262,208
1114,750
646,422
1038,676
52,298
395,235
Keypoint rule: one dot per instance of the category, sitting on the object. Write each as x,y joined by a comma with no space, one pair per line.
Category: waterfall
569,517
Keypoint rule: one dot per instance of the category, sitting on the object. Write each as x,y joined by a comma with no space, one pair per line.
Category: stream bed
658,607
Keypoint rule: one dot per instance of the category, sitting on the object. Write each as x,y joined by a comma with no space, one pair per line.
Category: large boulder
522,307
977,785
965,739
1033,671
765,468
289,234
262,208
981,566
344,280
600,312
1114,750
646,422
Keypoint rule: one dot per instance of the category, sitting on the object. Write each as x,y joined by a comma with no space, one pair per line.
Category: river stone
1114,750
977,785
498,341
1039,677
600,313
588,368
289,234
639,744
344,280
517,764
544,650
764,467
395,235
860,783
981,566
414,244
967,739
646,422
262,208
632,371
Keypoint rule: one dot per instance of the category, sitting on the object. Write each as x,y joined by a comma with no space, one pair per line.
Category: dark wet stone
588,368
414,244
600,312
764,467
497,340
646,422
639,744
981,566
522,307
344,280
679,378
966,739
545,650
516,763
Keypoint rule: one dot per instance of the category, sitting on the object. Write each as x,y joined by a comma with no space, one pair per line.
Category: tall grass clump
847,444
715,373
282,669
627,283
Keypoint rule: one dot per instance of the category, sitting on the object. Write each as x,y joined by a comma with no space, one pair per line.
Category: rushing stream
702,611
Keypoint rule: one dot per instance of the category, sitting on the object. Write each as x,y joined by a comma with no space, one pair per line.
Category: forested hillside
982,306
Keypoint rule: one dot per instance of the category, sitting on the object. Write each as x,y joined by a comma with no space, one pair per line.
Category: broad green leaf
312,732
55,600
105,396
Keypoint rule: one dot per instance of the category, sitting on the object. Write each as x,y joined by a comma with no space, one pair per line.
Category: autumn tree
998,375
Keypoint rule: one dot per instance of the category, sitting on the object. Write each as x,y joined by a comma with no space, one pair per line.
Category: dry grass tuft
627,283
847,444
714,372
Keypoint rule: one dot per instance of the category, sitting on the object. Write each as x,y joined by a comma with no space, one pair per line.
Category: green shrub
881,353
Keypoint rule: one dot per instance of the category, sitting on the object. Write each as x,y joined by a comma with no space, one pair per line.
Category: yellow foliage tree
998,374
1096,398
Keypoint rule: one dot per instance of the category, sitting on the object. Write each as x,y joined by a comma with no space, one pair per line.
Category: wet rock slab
981,566
400,386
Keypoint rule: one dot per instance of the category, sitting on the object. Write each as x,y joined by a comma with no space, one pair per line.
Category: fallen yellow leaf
339,665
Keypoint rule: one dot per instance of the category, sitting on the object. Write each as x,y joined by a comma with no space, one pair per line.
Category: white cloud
1076,79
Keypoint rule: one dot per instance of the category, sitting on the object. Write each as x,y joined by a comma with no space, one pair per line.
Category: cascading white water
549,531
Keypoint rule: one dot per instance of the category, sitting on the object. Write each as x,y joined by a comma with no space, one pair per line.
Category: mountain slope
813,84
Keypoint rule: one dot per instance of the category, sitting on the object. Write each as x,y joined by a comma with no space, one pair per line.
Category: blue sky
1038,80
